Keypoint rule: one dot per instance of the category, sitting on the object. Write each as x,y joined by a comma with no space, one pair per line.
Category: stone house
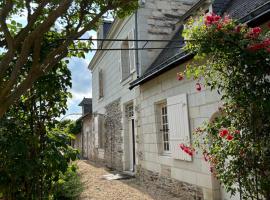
144,112
83,140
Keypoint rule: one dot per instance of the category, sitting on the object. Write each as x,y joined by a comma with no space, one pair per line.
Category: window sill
127,80
166,154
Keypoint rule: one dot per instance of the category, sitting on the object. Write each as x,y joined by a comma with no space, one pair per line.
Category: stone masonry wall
113,137
182,190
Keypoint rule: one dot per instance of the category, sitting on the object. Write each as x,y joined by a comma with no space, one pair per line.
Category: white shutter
96,124
120,65
132,59
178,125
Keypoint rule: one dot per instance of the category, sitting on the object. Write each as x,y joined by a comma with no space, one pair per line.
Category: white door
131,136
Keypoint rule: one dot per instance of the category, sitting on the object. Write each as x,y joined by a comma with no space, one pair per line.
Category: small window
125,65
164,128
129,111
100,81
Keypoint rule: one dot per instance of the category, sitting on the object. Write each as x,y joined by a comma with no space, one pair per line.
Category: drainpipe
136,45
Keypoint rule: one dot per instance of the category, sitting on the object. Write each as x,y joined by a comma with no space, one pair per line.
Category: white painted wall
201,106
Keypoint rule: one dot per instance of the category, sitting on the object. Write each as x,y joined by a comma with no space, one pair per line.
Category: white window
100,84
178,123
101,132
124,57
165,128
98,129
129,111
127,56
95,130
132,60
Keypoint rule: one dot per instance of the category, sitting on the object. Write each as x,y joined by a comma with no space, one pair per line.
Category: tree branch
3,16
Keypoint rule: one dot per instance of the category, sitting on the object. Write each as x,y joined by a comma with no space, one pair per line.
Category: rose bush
234,60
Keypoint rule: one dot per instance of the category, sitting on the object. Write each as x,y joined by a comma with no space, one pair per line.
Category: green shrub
69,186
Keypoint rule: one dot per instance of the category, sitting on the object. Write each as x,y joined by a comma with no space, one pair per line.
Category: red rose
266,42
217,18
205,156
229,137
238,29
186,149
180,76
255,47
198,87
182,146
223,132
237,132
256,30
219,26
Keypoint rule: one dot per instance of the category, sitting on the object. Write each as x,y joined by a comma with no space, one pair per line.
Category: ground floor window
165,128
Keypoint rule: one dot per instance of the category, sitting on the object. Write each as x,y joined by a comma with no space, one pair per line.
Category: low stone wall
182,190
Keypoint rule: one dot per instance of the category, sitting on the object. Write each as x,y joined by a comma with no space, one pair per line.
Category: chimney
103,31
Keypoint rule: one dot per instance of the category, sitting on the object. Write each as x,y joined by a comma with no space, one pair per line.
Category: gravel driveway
97,188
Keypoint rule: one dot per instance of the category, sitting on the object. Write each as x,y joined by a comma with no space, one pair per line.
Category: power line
119,40
122,49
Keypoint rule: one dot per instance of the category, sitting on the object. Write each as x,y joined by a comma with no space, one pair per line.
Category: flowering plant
234,60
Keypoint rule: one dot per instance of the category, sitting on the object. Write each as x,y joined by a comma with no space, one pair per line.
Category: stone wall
180,189
113,136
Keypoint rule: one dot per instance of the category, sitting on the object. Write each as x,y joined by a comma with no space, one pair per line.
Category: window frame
164,128
100,84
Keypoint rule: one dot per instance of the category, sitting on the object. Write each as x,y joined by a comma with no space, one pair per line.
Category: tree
234,60
60,21
34,152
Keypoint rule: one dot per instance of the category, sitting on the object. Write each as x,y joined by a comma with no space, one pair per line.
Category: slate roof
244,10
86,101
106,28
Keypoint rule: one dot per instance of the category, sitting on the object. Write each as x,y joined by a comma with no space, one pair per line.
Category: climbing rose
198,87
180,76
255,47
186,149
223,132
205,156
266,42
211,18
229,137
238,28
254,32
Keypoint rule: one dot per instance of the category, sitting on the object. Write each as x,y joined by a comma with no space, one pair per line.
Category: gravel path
97,188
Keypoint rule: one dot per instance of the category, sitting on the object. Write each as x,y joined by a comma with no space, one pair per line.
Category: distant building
83,139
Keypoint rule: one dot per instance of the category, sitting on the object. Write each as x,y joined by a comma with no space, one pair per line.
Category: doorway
131,137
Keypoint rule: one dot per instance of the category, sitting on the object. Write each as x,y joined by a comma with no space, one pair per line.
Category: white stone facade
156,20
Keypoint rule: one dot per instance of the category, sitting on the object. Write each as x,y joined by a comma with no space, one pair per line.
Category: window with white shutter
101,86
95,130
178,122
132,60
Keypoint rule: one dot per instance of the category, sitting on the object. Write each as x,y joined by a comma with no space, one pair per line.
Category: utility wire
120,49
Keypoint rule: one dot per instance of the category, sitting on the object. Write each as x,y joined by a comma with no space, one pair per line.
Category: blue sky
81,83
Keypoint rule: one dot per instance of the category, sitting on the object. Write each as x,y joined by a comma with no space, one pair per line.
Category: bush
69,186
